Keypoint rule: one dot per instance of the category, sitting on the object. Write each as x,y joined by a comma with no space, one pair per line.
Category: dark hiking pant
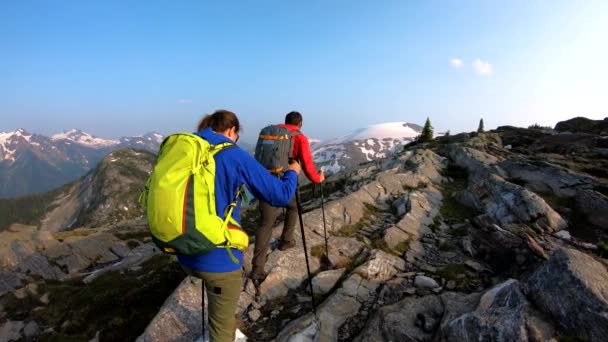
223,290
269,216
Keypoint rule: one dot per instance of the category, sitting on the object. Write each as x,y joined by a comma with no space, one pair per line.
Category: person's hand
322,177
295,166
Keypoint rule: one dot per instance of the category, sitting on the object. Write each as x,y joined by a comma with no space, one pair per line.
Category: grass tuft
319,250
369,211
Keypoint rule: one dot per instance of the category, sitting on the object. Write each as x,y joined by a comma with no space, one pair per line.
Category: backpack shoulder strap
220,147
292,134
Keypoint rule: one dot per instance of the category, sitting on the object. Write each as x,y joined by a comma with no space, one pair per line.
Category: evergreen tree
427,132
480,128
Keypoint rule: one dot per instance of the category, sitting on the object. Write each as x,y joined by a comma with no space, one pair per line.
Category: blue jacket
235,167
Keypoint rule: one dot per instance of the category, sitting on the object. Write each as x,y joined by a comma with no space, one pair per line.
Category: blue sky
115,68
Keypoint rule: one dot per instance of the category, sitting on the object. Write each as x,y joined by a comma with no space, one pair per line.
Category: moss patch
351,229
451,210
369,211
457,273
80,232
380,244
402,247
602,249
452,271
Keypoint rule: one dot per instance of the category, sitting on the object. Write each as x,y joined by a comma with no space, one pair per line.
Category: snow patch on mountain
158,137
328,153
86,139
364,145
21,133
4,136
7,153
6,140
312,141
391,130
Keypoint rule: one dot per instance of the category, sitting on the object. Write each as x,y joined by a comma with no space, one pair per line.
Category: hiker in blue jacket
234,167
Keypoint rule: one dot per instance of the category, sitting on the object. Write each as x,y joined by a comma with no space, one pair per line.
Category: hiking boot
283,246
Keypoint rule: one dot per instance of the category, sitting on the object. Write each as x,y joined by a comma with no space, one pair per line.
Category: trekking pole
203,308
324,229
299,205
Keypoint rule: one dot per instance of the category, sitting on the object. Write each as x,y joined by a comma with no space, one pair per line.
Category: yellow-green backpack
180,199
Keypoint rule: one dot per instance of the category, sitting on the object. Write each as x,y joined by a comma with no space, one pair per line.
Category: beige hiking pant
223,290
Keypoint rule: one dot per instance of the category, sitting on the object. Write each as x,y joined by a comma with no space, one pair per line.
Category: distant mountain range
33,163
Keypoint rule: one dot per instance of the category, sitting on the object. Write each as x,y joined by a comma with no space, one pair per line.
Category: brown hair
220,121
293,118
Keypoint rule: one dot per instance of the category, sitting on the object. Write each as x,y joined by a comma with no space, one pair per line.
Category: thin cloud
456,63
184,101
482,68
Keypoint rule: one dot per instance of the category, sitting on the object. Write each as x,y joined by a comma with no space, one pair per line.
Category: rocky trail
451,242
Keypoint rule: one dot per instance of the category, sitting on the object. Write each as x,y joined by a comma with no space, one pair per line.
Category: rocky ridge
447,241
497,236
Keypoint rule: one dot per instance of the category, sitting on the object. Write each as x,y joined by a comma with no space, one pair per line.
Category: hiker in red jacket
268,213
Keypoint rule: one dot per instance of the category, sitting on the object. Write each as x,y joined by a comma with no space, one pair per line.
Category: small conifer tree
480,129
427,132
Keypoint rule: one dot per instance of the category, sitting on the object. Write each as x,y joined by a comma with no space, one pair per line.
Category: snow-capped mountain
31,163
148,141
363,145
79,137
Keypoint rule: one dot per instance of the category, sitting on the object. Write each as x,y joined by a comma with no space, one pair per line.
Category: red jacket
301,152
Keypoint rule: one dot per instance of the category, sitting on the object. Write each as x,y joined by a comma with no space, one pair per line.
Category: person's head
223,122
294,118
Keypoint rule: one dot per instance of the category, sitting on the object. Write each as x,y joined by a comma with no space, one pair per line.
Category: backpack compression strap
228,211
228,214
292,134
